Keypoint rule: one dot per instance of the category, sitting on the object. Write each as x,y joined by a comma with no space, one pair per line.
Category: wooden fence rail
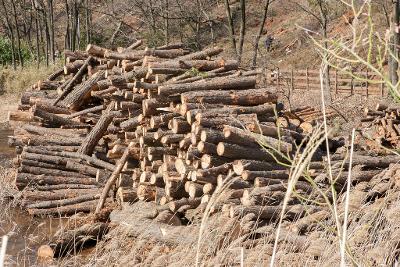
340,82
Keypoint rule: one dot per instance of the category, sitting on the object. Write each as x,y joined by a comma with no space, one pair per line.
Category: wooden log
204,54
165,53
234,151
232,182
96,133
79,94
47,106
46,171
32,196
214,84
194,189
241,137
235,96
90,160
64,186
192,202
26,179
207,148
130,124
113,177
171,139
126,195
63,202
95,50
26,96
52,119
239,166
37,140
75,240
275,174
200,65
180,126
209,161
38,130
26,116
263,181
267,212
73,67
87,207
94,109
69,86
264,109
161,120
204,175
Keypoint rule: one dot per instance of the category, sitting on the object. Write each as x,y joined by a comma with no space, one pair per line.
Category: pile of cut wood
170,126
381,127
163,124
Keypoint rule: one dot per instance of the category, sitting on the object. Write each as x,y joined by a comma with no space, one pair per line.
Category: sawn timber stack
164,125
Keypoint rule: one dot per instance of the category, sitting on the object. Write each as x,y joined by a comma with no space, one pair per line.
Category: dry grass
17,81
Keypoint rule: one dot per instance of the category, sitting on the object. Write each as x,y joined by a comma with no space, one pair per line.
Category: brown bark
242,137
26,179
79,94
112,179
239,166
175,205
233,97
214,84
52,119
69,85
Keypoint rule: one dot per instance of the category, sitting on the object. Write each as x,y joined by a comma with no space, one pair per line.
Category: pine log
94,109
275,174
77,239
87,207
207,148
26,116
79,94
63,202
52,119
113,177
95,134
241,137
193,203
204,54
235,96
214,84
126,195
26,179
239,166
234,151
69,86
209,161
200,65
90,160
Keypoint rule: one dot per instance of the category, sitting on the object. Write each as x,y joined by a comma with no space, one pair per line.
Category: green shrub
6,52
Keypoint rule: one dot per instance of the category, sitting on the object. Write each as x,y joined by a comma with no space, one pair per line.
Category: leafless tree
395,42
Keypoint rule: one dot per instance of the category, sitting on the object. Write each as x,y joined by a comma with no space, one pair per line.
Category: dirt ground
8,102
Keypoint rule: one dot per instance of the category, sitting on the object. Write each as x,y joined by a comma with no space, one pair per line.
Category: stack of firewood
165,125
303,119
381,128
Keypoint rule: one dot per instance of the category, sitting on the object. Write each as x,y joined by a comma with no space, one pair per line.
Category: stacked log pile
170,127
304,118
381,128
162,124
